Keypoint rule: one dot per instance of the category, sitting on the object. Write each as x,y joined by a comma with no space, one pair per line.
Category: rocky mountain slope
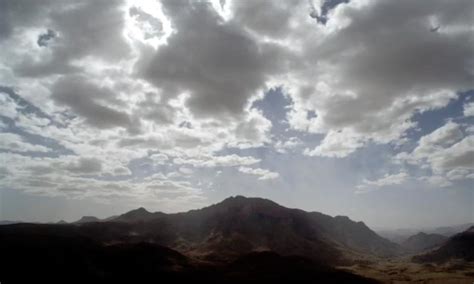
460,246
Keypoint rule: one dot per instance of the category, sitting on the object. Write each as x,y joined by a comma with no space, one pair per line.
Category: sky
362,108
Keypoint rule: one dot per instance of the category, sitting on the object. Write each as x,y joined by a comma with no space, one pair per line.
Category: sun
146,23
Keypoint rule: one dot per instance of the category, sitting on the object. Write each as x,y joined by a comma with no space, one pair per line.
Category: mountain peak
87,219
140,210
240,199
139,214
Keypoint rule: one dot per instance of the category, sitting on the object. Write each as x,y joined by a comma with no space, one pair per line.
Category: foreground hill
460,246
63,254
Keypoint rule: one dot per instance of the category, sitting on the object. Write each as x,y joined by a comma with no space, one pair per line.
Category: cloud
446,151
100,88
386,180
85,166
276,20
469,109
218,161
78,179
216,62
376,65
90,102
122,171
285,146
15,143
446,135
262,174
459,155
336,144
438,181
101,37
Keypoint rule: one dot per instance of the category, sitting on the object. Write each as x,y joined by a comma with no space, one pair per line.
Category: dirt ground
402,271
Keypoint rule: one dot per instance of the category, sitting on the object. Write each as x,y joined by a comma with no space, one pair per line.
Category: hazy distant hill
423,241
87,219
451,230
8,222
400,235
460,246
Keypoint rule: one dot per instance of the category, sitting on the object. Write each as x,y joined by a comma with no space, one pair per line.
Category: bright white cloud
218,161
285,146
387,180
336,144
446,151
469,109
263,174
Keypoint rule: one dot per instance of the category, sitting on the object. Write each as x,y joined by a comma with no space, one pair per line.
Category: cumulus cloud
446,135
379,63
218,161
121,90
91,102
262,174
288,145
216,62
469,109
85,166
446,151
337,144
16,143
386,180
101,37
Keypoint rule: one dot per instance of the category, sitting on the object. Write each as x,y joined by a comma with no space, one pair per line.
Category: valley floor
401,271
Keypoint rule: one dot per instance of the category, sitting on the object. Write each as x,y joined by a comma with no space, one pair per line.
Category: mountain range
238,239
242,225
400,235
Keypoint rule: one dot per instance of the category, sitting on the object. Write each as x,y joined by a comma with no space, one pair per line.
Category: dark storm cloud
327,6
83,28
90,102
269,18
218,63
44,38
20,13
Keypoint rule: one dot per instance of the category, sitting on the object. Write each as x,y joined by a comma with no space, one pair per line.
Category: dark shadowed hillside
63,254
242,225
460,246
